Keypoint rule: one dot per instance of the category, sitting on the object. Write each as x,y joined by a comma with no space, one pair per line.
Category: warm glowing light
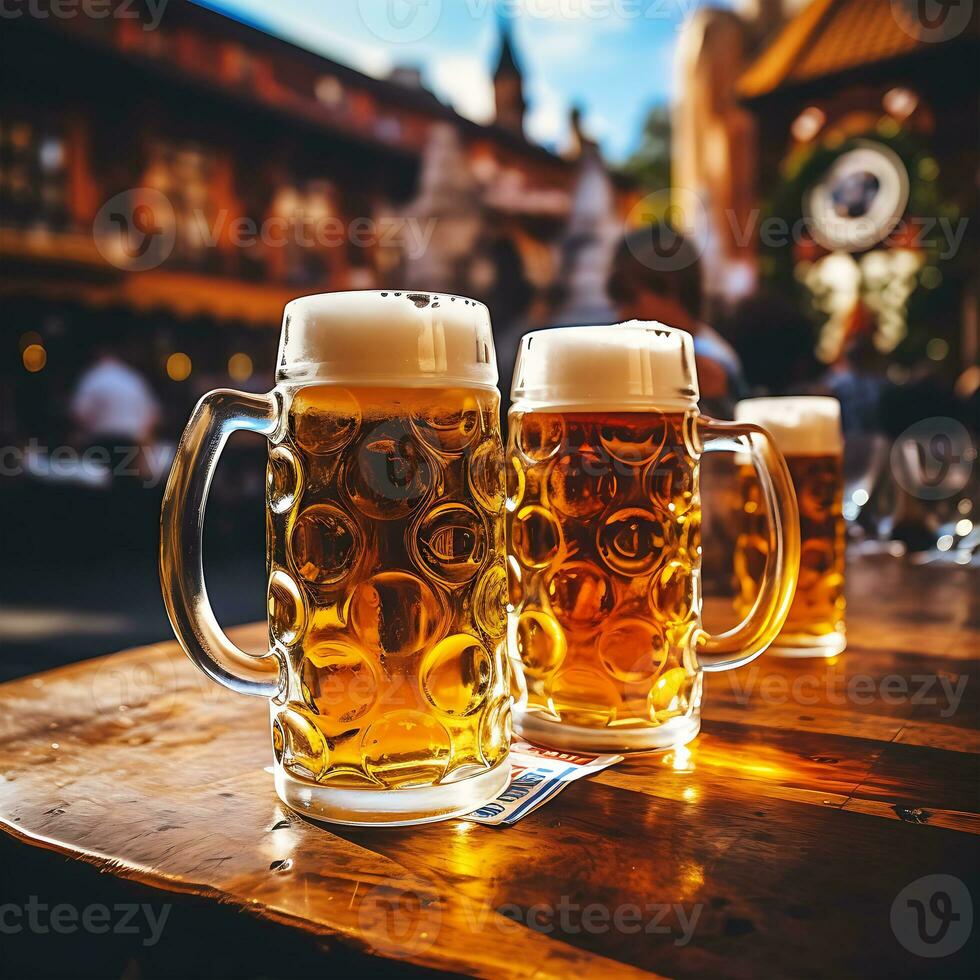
900,102
808,123
937,349
945,542
965,505
690,794
964,527
679,759
179,366
239,367
35,357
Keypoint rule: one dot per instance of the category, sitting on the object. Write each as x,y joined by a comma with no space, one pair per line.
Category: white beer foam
634,366
387,337
801,425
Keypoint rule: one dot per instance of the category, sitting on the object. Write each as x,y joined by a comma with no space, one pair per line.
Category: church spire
508,83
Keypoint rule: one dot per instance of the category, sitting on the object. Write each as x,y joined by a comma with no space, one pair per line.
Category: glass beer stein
604,538
808,432
386,670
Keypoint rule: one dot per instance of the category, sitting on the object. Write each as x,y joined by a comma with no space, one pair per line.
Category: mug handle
216,416
744,642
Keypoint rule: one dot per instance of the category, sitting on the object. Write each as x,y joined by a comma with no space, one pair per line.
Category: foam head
801,426
387,338
632,366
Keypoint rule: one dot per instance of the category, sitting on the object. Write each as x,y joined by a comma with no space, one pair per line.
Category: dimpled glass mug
386,671
604,538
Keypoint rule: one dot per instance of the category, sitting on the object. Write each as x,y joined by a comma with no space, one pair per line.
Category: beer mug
604,525
386,669
808,432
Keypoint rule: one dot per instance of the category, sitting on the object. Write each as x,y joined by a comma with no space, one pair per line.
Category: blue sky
613,57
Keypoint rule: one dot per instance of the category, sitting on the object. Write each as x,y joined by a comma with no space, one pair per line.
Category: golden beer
387,586
386,673
808,430
605,530
604,538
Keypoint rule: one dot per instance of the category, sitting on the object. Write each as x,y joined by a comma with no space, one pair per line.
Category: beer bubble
540,642
672,592
671,481
581,595
324,418
583,696
304,749
395,613
539,435
287,615
456,675
451,543
490,602
325,544
632,650
581,484
633,541
633,441
448,428
535,536
389,473
284,479
406,748
485,474
340,683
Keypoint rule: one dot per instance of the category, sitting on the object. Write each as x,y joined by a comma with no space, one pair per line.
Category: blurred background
793,181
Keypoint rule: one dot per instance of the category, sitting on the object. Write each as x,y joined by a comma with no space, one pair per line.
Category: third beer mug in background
604,519
386,666
808,431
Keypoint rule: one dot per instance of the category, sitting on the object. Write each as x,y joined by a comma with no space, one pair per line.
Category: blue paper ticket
537,775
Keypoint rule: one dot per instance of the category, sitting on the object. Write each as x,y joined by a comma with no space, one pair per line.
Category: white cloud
463,81
547,121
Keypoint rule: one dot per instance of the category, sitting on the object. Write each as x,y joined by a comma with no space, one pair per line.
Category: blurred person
114,407
857,378
656,275
775,343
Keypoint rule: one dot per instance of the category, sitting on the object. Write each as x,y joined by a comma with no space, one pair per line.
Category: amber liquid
387,586
604,525
818,606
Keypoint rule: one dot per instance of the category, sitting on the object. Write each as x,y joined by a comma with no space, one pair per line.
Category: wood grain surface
777,844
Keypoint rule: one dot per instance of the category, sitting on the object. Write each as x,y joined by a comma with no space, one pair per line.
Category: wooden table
815,794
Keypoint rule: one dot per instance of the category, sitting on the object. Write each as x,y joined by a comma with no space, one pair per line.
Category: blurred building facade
828,148
177,186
